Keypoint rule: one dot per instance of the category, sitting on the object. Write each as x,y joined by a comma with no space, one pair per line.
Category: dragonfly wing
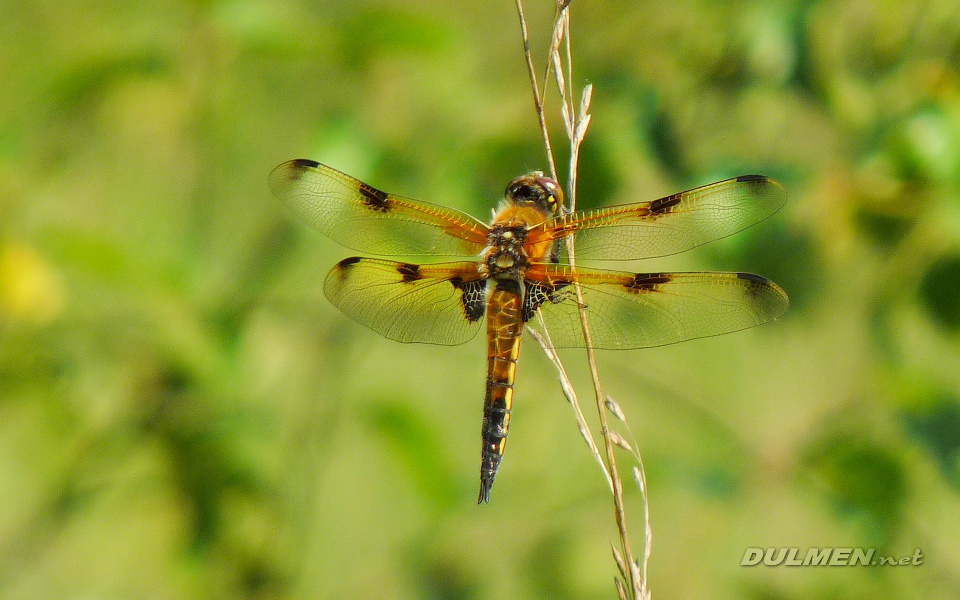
363,218
668,225
640,310
434,304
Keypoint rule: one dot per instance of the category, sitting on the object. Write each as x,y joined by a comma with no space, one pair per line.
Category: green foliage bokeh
183,415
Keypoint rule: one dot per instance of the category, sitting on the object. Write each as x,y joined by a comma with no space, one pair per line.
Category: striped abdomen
504,326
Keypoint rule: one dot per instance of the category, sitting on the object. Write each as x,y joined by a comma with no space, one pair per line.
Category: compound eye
552,188
518,190
554,199
526,192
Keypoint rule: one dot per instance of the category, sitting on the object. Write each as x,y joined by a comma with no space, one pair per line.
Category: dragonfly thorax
505,253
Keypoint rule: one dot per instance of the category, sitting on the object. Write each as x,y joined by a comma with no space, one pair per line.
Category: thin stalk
537,99
572,123
576,123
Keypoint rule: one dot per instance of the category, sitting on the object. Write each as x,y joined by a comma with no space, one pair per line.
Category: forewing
668,225
639,310
366,219
433,304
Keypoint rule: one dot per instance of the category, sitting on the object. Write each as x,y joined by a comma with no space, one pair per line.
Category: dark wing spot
756,182
295,168
648,282
409,272
374,198
758,283
348,262
473,297
537,294
343,267
306,163
664,205
754,278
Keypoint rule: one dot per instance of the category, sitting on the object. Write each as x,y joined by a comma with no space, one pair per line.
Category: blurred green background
183,415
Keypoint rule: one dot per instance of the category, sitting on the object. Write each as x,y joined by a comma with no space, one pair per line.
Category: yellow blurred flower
30,289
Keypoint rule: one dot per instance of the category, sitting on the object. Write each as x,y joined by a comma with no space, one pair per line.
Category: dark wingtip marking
753,278
305,163
343,267
409,272
290,171
762,288
749,178
648,282
348,262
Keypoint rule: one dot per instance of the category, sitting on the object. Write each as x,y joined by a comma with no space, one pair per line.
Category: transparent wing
639,310
668,225
366,219
433,304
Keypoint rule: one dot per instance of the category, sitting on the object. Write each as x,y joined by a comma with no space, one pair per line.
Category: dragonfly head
537,190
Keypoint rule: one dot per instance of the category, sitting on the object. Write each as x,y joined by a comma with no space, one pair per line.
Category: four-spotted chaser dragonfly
515,270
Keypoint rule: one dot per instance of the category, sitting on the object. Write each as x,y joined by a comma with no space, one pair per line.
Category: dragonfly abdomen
504,326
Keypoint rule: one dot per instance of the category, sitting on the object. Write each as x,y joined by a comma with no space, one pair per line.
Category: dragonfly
513,269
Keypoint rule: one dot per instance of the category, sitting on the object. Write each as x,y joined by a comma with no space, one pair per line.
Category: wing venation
669,225
641,310
434,304
364,218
